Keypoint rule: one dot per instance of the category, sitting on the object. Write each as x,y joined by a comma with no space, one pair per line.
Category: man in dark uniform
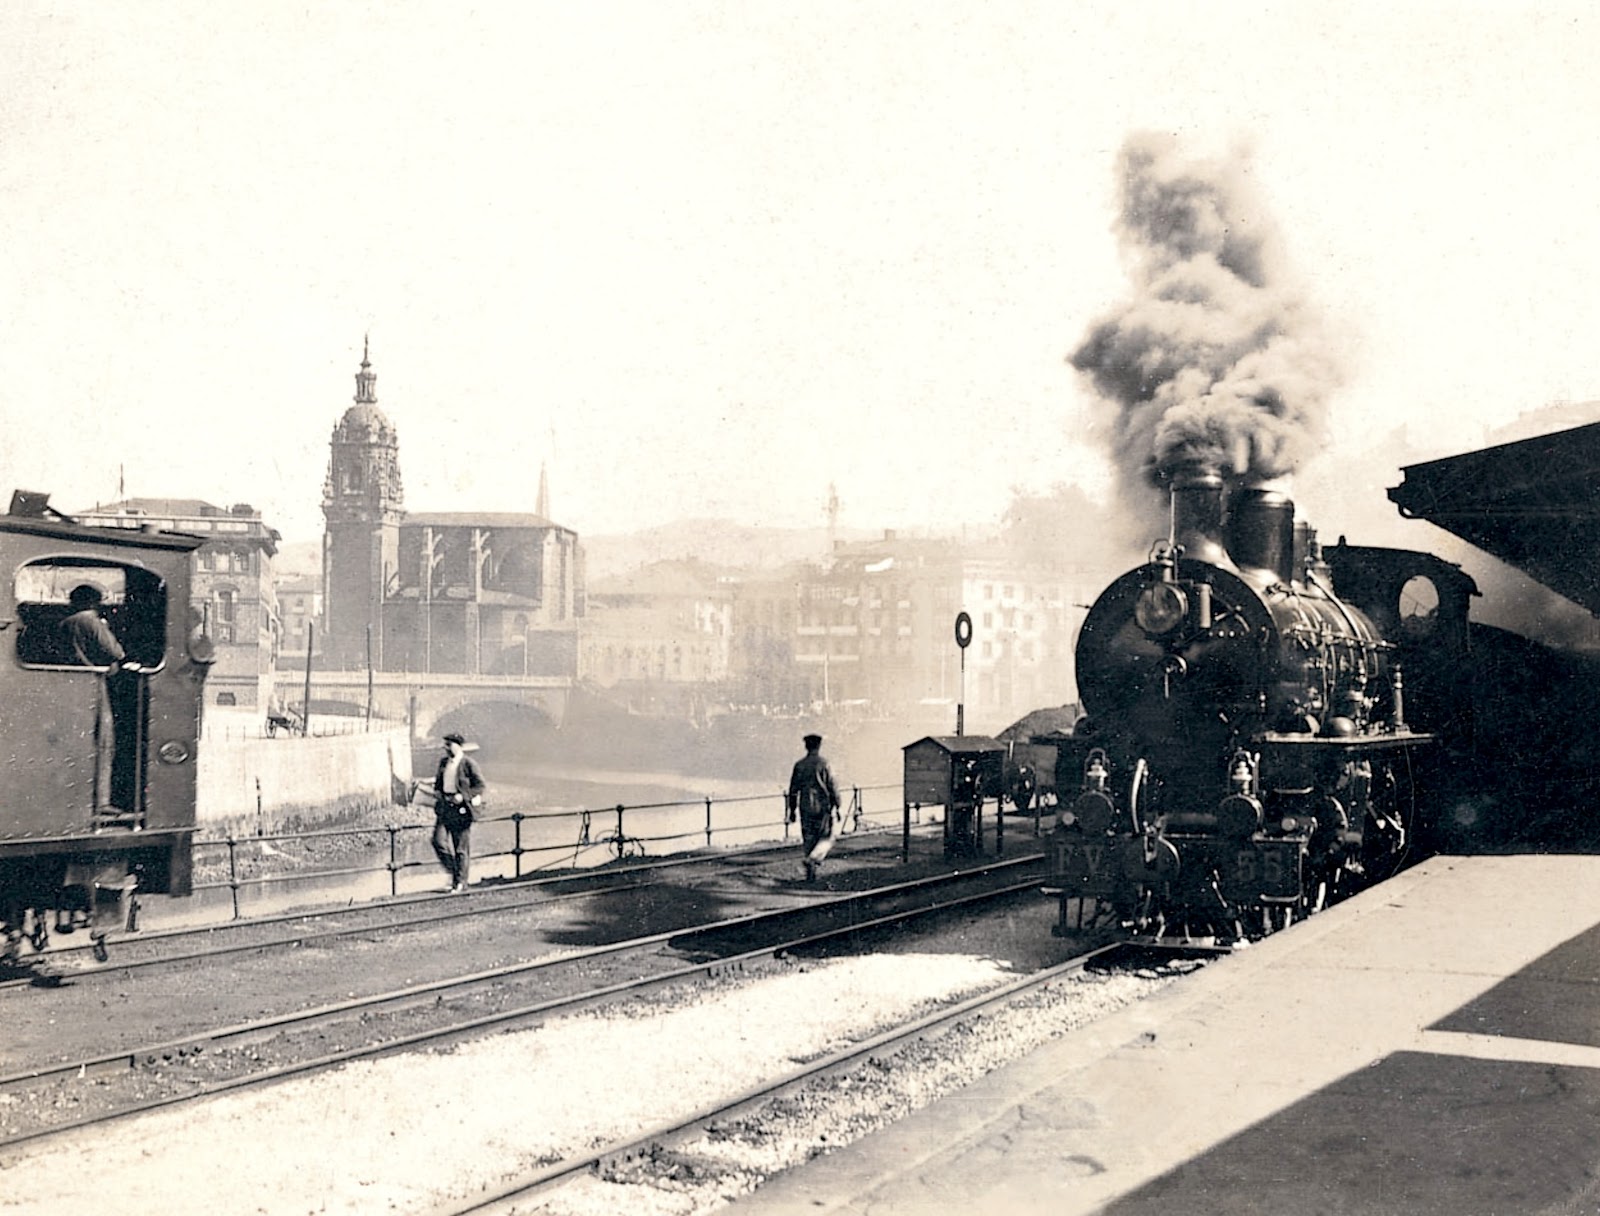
92,644
457,796
815,799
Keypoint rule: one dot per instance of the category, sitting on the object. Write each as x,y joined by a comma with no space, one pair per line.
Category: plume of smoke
1215,358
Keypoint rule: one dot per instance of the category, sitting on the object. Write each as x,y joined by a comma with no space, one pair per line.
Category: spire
366,378
542,506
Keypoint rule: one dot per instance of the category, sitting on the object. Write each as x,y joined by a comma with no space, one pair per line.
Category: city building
484,593
456,592
670,622
870,619
877,624
872,626
1025,621
766,619
232,594
300,611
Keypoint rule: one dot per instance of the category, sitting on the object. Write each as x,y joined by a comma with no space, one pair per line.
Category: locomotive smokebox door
957,772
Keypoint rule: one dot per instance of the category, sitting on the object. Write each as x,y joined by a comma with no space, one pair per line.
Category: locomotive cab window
131,601
1419,606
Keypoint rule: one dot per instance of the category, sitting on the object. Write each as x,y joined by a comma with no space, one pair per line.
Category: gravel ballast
410,1133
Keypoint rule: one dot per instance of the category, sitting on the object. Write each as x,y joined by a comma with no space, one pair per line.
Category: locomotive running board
1355,743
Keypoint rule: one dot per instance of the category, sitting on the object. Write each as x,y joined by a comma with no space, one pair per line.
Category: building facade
484,593
670,622
232,597
766,619
877,624
300,611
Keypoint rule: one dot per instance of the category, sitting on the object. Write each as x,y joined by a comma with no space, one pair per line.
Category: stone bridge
423,700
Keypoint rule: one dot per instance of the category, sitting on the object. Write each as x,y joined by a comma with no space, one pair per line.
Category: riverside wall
293,780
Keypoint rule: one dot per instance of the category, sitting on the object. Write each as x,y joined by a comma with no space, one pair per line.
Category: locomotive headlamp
1238,815
1160,608
1095,811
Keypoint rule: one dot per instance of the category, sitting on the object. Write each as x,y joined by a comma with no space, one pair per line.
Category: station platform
1429,1046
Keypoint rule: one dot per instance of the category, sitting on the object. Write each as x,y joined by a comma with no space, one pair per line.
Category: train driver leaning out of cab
457,797
92,644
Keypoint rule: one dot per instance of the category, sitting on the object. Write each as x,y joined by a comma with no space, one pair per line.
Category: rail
566,838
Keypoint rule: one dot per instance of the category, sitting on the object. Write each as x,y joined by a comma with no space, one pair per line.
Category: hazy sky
706,258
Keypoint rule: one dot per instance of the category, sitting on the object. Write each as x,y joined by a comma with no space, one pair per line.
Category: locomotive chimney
1261,531
1197,513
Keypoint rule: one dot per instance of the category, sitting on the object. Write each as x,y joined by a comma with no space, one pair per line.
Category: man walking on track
457,794
815,799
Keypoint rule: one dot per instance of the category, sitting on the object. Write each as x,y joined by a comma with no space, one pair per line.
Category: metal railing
278,727
565,838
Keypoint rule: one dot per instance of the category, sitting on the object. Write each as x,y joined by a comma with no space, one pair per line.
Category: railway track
44,1101
298,929
659,1152
325,960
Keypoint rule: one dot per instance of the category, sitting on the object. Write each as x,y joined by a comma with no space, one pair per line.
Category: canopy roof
1534,504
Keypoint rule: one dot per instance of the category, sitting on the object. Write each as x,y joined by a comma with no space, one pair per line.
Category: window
226,615
1419,606
132,602
226,698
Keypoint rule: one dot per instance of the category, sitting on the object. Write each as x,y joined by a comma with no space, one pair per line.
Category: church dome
366,421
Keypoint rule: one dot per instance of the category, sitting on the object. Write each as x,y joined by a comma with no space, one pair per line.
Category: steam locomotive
1265,719
99,756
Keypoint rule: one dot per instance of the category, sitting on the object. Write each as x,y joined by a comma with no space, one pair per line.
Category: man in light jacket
458,789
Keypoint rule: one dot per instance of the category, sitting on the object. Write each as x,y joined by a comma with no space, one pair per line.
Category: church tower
362,503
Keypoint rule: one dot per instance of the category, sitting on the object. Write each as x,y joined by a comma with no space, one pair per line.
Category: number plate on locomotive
1084,867
1257,869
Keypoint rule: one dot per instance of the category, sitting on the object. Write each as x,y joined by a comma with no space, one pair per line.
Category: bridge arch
424,701
481,716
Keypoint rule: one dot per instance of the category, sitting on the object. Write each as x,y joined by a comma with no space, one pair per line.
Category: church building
475,593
